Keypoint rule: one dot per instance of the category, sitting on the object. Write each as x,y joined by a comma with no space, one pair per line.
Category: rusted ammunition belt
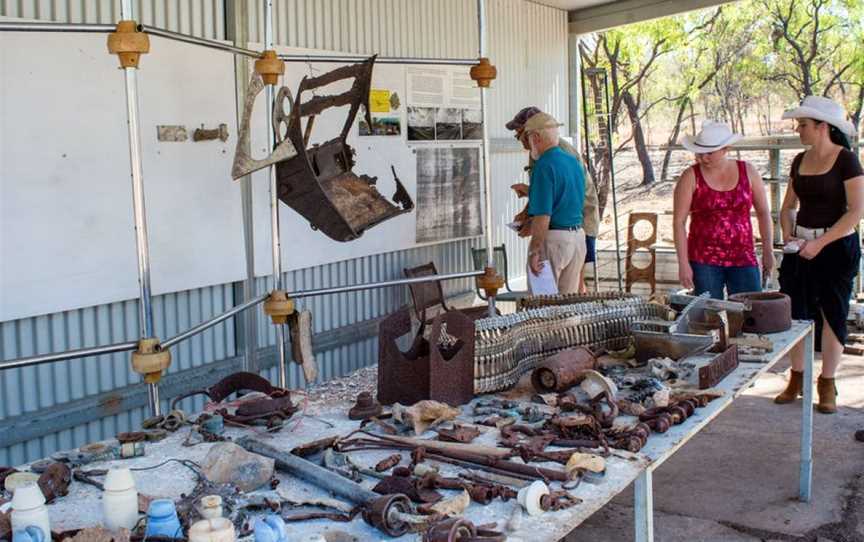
508,346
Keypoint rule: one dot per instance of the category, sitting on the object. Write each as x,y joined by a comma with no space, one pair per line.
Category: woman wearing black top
828,183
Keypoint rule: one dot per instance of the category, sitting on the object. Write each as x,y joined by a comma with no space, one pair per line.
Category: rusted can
563,370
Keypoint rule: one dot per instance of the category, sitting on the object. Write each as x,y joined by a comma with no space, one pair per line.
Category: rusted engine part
508,346
461,530
718,368
661,419
423,489
563,370
403,483
391,514
476,458
458,433
558,500
388,463
538,301
273,409
244,164
318,182
770,312
712,322
364,407
172,421
634,243
654,344
443,371
734,309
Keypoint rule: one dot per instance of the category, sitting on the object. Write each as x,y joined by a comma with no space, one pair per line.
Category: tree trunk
639,139
673,137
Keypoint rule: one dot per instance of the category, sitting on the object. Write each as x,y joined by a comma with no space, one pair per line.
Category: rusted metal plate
438,369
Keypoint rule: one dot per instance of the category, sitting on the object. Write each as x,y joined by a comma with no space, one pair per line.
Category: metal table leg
805,477
643,506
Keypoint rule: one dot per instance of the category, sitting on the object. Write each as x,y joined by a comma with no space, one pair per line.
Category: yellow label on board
379,101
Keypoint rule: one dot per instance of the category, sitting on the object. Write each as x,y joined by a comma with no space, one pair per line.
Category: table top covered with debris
556,437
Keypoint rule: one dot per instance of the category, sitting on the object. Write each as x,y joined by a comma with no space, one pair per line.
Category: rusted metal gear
365,407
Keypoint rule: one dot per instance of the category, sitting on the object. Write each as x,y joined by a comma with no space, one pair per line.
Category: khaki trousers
565,251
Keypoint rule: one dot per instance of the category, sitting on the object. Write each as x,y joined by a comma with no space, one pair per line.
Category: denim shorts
714,278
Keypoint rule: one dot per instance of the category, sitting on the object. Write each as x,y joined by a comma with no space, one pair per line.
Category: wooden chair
499,253
430,295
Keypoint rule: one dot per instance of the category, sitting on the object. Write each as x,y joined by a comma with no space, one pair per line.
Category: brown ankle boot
827,396
793,388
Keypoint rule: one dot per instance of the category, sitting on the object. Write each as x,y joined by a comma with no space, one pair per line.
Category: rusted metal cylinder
770,312
563,370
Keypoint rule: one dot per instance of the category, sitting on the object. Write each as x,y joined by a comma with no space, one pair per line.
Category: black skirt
824,283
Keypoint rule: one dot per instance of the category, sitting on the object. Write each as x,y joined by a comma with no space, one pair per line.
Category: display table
82,507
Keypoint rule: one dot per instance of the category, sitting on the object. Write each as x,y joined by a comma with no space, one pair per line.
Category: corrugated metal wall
528,43
202,18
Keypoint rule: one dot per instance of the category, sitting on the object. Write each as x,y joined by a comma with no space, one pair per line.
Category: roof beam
605,16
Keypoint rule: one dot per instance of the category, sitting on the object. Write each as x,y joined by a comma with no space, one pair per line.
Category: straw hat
713,136
824,109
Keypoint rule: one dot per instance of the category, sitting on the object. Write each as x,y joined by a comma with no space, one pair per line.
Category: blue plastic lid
161,508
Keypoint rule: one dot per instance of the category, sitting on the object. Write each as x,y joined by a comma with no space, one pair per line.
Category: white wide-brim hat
824,109
713,137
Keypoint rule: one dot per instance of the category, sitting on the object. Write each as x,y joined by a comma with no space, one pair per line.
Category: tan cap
540,121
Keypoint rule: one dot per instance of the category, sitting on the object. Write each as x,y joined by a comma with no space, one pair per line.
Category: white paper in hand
544,283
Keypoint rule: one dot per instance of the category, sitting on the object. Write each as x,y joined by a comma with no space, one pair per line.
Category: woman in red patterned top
717,194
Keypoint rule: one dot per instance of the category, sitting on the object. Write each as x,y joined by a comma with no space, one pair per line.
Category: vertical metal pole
587,140
237,16
274,200
774,166
805,477
643,507
145,304
612,180
487,168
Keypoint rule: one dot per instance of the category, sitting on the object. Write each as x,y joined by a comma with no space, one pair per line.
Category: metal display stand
129,40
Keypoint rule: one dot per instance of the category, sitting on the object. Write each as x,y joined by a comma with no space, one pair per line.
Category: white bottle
120,500
211,507
28,508
212,530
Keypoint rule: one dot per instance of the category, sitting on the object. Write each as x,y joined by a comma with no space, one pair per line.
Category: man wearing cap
555,200
590,215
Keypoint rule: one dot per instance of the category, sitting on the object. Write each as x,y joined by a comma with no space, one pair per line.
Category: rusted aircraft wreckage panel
318,181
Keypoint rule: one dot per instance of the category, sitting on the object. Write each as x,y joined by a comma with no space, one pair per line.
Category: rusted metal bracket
427,370
710,375
244,164
278,405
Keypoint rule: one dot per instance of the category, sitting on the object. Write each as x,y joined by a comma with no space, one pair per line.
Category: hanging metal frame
139,208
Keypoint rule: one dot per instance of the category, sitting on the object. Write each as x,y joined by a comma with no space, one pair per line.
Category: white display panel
67,237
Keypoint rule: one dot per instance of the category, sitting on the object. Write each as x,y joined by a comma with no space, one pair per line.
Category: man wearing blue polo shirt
555,200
